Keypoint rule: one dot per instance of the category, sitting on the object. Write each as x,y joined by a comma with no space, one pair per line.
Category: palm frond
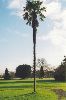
25,16
32,11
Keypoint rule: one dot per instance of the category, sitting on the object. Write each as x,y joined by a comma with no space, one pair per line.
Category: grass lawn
46,89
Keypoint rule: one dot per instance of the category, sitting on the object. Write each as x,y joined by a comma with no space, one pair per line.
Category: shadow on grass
14,82
27,94
24,86
17,97
43,81
49,81
29,81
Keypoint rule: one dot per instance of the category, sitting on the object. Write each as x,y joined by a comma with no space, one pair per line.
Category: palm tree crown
32,11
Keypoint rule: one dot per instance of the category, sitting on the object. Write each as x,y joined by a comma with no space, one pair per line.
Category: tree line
26,71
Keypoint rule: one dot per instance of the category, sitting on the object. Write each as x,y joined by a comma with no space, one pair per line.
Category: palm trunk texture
34,57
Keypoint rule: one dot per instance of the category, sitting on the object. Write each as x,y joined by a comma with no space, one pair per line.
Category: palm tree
33,12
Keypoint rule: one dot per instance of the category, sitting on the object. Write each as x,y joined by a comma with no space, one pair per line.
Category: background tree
31,12
45,70
60,72
1,76
7,75
42,64
12,74
23,71
49,74
41,72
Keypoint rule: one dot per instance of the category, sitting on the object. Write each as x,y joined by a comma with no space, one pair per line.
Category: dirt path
60,92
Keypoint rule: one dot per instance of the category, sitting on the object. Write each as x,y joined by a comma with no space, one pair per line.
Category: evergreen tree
41,72
7,75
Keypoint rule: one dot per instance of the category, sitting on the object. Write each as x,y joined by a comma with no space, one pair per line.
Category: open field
46,89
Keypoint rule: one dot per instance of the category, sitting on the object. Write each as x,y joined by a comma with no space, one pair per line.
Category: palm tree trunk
34,57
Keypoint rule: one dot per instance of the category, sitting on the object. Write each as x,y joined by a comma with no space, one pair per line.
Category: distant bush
12,75
49,74
60,72
23,71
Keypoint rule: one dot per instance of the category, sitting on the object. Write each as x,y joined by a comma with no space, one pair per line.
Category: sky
16,45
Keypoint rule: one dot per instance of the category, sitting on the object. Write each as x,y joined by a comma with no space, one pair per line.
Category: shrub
60,72
23,71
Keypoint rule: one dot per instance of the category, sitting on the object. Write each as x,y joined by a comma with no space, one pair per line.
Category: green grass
23,89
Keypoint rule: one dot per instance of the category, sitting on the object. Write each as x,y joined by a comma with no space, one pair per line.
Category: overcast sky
16,45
